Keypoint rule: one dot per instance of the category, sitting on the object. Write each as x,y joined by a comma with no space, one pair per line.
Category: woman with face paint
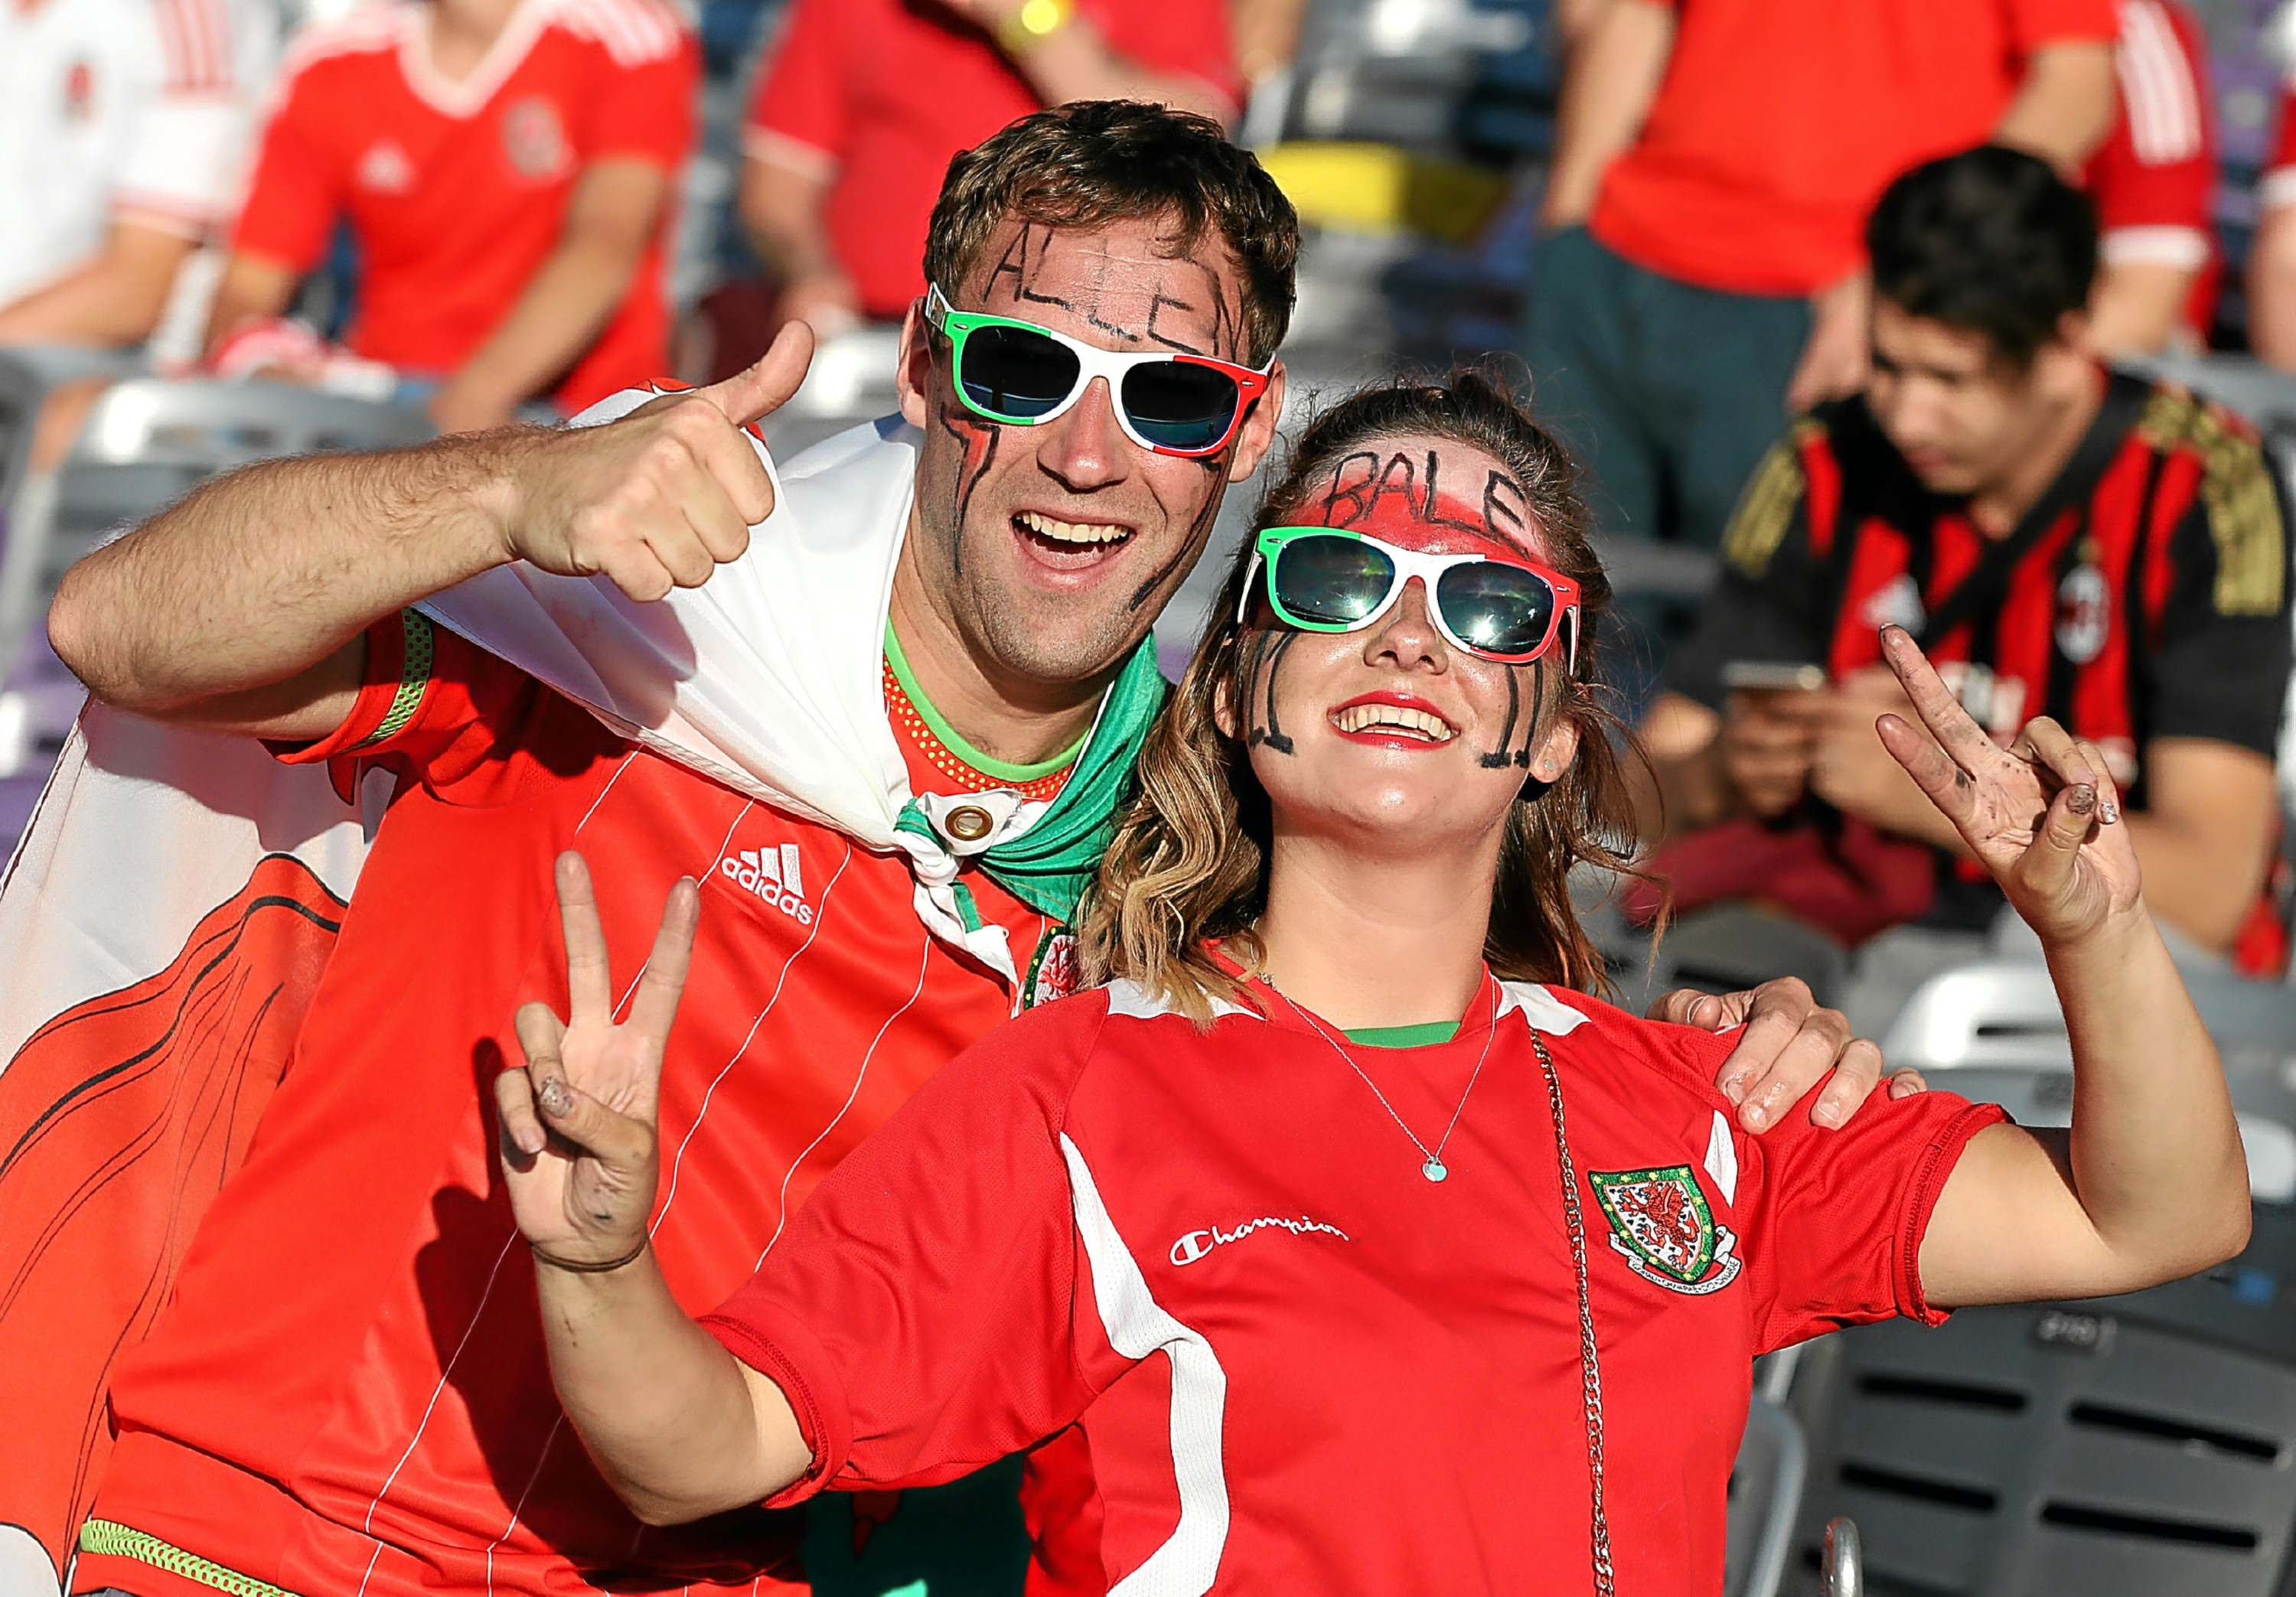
1371,1252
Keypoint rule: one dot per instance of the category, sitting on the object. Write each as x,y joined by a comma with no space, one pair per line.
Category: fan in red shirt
506,168
1341,1311
2272,256
862,102
2154,183
1721,155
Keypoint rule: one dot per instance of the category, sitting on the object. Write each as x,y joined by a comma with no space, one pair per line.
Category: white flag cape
171,909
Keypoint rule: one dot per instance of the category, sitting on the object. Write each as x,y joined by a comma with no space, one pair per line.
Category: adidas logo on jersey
774,875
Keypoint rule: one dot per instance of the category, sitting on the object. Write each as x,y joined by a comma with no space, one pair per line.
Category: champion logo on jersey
775,875
385,169
1195,1244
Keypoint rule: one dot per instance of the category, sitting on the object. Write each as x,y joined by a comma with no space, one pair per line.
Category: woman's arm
677,1425
2151,1183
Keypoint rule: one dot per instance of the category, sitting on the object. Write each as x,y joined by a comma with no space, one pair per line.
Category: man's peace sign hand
2042,815
581,1146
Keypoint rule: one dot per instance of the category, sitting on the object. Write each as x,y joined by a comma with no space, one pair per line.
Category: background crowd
1805,411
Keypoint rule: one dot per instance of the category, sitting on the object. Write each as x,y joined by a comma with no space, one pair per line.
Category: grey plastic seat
146,443
1765,1496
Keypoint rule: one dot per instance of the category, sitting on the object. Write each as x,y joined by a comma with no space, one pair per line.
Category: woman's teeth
1071,532
1394,717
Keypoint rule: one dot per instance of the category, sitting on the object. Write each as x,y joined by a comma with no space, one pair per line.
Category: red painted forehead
1407,497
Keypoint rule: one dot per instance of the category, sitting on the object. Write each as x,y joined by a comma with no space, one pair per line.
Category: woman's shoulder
1686,1057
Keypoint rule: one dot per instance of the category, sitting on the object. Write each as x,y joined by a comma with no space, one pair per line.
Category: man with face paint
890,837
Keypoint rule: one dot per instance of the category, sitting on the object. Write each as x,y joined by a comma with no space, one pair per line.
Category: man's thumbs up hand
662,498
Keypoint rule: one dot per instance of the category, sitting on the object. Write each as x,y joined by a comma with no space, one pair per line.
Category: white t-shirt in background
138,109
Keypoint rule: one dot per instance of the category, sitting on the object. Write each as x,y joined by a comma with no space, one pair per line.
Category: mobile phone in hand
1772,676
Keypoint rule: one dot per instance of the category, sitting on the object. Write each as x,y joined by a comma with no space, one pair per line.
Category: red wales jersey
1299,1364
348,1392
457,190
2154,177
874,96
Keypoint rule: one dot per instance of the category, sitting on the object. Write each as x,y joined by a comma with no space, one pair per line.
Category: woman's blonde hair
1188,865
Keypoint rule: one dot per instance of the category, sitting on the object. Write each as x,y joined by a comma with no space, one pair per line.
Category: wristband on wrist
1033,23
588,1267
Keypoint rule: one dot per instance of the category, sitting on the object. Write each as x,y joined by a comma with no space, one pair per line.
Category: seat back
146,443
1988,1013
2105,1448
1766,1493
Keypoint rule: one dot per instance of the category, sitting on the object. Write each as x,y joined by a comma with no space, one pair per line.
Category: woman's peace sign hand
579,1145
2042,815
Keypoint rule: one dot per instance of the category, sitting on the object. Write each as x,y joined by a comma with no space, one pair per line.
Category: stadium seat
1765,1494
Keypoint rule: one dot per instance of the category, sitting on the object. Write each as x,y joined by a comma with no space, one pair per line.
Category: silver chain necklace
1590,1358
1434,1169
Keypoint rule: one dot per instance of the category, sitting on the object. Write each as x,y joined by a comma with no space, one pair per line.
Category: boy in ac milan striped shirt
2081,543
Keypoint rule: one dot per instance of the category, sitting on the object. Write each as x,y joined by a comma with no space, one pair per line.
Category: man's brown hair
1093,162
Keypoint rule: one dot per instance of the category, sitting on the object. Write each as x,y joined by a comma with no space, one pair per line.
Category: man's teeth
1394,717
1071,532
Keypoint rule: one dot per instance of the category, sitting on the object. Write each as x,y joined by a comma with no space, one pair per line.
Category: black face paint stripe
1199,531
965,428
1496,757
1272,736
1537,705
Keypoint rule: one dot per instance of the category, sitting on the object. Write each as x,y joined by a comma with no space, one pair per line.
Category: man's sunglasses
1023,375
1325,580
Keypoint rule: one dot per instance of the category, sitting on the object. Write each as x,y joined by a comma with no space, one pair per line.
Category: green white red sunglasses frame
1404,564
959,326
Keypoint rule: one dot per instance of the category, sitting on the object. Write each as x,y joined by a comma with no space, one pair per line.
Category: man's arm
112,300
2151,1184
784,189
1075,62
2137,305
2272,287
613,215
1611,79
2065,105
241,608
252,289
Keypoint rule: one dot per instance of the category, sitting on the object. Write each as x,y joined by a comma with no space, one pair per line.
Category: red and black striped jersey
2155,603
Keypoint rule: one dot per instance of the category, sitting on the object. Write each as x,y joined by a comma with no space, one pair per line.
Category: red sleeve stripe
195,36
632,31
2158,93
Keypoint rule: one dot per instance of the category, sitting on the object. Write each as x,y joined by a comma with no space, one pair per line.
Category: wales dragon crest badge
1662,1225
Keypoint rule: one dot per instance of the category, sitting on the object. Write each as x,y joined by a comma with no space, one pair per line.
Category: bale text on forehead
1411,492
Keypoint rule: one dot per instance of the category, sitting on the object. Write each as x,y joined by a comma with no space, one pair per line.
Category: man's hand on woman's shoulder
1788,1045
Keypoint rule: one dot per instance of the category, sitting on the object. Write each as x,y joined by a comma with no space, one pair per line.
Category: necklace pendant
1434,1169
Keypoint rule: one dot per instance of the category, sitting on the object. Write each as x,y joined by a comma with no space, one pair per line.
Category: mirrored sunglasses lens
1180,406
1330,581
1505,609
1015,374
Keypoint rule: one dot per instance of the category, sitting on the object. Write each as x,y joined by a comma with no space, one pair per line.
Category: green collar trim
1426,1033
1002,770
1049,866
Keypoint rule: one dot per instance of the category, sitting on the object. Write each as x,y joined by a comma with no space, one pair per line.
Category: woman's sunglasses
1324,579
1023,375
